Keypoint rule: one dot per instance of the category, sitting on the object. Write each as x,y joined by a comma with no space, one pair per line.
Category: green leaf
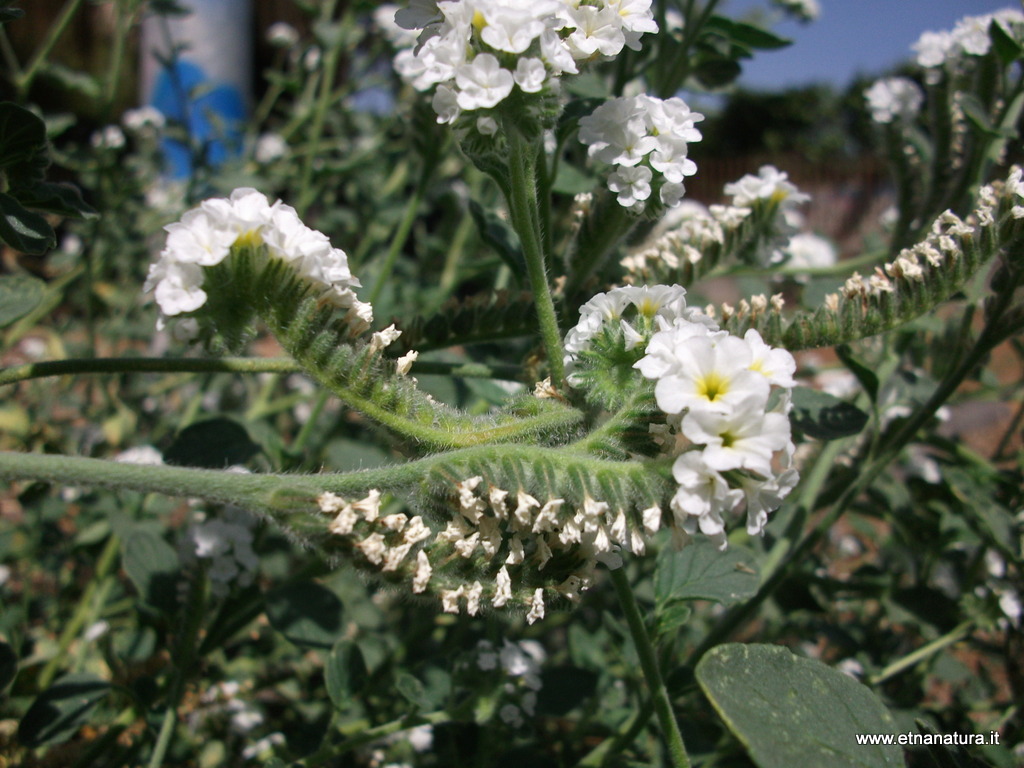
500,237
23,230
412,689
976,113
867,377
1006,47
344,672
61,709
717,71
19,295
153,567
55,197
700,571
211,444
8,665
789,711
306,613
565,688
10,14
73,80
747,35
22,136
824,417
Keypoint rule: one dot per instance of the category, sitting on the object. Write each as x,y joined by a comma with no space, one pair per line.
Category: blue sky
852,36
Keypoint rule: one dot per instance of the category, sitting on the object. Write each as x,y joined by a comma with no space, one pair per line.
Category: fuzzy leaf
61,709
153,567
19,295
343,672
746,35
22,136
788,710
53,197
867,378
499,236
824,417
306,613
700,571
24,230
212,444
8,665
1006,47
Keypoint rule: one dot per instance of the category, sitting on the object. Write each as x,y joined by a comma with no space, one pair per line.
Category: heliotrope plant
649,413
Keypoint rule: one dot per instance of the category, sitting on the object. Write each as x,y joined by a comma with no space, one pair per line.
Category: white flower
806,250
143,454
536,611
632,185
646,135
530,75
701,498
487,125
744,437
770,185
482,83
776,365
143,118
282,35
503,588
894,99
270,147
697,369
598,31
423,572
205,236
110,137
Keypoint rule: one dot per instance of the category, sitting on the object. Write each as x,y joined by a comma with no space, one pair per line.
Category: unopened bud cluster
757,226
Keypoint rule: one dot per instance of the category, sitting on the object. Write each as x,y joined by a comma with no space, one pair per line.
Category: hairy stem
525,213
652,672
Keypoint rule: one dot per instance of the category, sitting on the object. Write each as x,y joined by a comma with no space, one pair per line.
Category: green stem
184,659
525,213
652,673
72,366
400,236
955,635
626,735
28,74
92,598
330,751
328,71
79,366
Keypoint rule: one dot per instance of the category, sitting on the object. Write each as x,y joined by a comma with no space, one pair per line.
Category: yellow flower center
252,238
713,385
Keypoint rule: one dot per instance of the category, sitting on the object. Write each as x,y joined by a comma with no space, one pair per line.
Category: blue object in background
197,70
214,115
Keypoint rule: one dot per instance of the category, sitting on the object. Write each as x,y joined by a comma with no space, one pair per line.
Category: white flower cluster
770,186
522,663
716,389
477,51
726,398
225,541
205,236
660,305
804,10
647,140
970,37
896,99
